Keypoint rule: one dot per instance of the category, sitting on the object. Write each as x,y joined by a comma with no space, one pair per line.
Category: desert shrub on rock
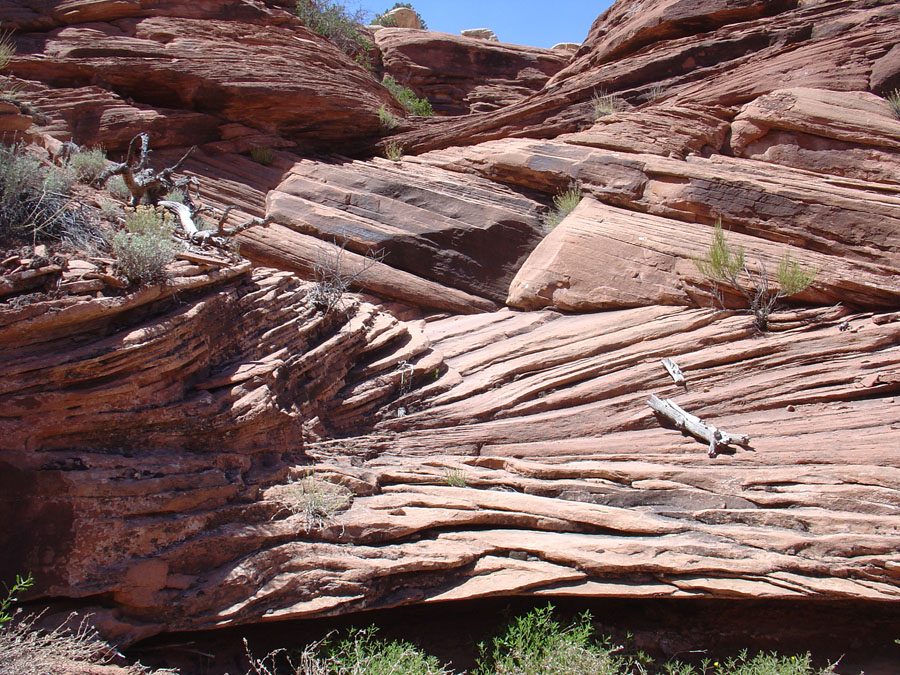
333,21
564,202
725,264
406,96
87,164
145,247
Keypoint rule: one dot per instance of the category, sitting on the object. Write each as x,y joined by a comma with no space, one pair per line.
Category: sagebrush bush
87,164
406,96
117,188
35,204
145,247
332,20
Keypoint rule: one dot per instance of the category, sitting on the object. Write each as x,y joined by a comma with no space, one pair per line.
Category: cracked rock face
473,422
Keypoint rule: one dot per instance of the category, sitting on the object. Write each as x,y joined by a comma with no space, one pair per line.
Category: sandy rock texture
475,419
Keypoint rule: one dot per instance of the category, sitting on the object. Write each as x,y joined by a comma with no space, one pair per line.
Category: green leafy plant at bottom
724,264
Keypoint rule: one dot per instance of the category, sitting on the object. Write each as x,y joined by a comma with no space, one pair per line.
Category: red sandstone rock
459,74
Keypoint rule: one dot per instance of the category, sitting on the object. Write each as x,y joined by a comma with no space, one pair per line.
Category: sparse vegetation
87,164
35,203
394,151
387,119
455,477
317,501
7,49
724,264
262,155
603,104
406,96
563,204
894,99
332,20
385,21
117,188
145,247
333,275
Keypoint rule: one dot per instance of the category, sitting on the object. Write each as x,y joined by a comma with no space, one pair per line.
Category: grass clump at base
317,501
394,151
893,99
387,119
603,104
145,247
563,204
262,155
455,477
406,96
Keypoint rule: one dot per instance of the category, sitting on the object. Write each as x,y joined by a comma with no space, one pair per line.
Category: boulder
402,17
480,34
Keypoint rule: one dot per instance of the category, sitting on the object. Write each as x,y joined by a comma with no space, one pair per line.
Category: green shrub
394,151
117,188
35,204
145,247
603,104
894,99
87,164
385,21
563,204
536,644
333,21
262,155
387,119
724,264
455,477
417,106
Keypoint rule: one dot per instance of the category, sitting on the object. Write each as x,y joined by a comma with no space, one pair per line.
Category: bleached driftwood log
715,438
216,237
674,371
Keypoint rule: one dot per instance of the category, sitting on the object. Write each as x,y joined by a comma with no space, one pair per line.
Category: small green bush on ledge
406,96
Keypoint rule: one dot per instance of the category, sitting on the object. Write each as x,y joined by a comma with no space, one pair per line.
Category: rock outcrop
459,75
155,443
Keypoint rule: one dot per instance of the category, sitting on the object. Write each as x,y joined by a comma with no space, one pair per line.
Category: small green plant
455,477
334,22
563,204
387,119
393,151
317,501
724,264
145,247
381,19
176,196
12,595
406,96
8,91
87,164
117,188
262,155
537,644
603,104
893,99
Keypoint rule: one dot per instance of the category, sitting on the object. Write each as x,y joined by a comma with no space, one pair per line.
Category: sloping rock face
487,451
236,62
460,74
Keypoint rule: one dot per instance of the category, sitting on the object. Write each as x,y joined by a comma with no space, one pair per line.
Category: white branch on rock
674,371
215,237
684,421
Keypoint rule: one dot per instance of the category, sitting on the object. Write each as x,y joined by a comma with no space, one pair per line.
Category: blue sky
526,22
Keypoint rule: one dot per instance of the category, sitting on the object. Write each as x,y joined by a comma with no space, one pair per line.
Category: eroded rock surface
154,441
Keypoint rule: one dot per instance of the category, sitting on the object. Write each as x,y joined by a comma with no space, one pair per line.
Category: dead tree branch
144,183
674,371
684,421
217,237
